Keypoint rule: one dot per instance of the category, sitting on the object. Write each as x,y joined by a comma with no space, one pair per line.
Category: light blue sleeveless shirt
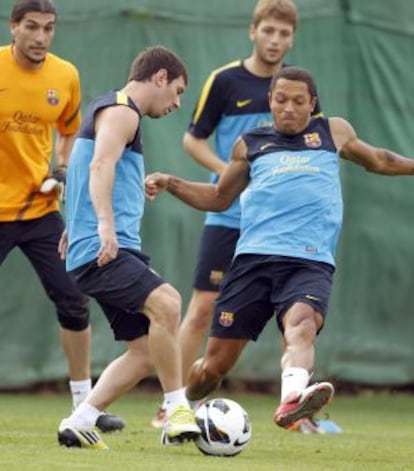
128,196
293,203
232,101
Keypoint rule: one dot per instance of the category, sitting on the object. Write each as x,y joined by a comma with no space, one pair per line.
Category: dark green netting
361,55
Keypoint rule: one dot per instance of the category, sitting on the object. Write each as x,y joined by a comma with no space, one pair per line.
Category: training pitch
378,434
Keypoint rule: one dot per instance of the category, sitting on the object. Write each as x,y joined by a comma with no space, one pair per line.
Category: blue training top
128,195
293,203
231,102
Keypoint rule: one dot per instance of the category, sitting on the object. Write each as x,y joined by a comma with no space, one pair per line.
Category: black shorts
215,255
38,239
121,288
260,286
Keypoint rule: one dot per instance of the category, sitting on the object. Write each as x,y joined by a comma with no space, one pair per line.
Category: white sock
84,416
173,399
293,380
79,390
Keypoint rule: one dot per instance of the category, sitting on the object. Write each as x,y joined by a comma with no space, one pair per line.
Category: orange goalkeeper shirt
32,104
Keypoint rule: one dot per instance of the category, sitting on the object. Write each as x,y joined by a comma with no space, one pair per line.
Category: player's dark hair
21,7
294,73
283,10
154,58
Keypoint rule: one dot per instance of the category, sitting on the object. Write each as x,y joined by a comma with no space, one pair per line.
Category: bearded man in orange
40,93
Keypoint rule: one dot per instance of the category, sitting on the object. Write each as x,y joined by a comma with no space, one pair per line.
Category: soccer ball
225,427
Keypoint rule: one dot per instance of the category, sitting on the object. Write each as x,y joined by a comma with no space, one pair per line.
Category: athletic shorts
121,288
258,287
215,255
38,239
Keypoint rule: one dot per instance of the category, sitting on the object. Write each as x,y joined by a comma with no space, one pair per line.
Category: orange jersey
32,104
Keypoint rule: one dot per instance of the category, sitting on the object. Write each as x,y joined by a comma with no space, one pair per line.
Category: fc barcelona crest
312,139
52,96
226,319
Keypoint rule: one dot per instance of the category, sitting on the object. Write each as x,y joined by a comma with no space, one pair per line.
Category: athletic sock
293,380
79,390
173,399
84,416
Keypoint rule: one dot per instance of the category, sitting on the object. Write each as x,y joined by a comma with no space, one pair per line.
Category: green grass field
378,436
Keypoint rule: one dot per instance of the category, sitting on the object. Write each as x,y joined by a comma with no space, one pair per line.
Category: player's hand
108,250
155,183
55,182
63,245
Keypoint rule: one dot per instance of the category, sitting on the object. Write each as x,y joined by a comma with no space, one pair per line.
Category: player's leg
195,326
298,400
119,377
9,234
191,335
117,292
39,241
241,312
138,302
192,332
308,288
215,254
206,374
301,324
162,307
77,345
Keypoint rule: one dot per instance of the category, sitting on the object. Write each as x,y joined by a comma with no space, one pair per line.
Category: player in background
40,92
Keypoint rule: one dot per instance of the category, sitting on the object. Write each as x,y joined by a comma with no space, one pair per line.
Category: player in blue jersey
291,216
104,206
233,100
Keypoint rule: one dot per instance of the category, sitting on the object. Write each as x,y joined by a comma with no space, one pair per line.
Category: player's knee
303,331
73,313
164,308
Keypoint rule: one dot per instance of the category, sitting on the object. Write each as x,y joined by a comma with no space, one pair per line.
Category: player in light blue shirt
291,216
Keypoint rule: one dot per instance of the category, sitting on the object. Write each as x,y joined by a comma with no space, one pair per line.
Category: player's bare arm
63,148
156,183
373,159
57,179
205,196
200,196
236,177
115,127
201,152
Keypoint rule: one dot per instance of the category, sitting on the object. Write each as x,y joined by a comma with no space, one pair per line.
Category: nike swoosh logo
265,146
242,103
240,443
313,298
